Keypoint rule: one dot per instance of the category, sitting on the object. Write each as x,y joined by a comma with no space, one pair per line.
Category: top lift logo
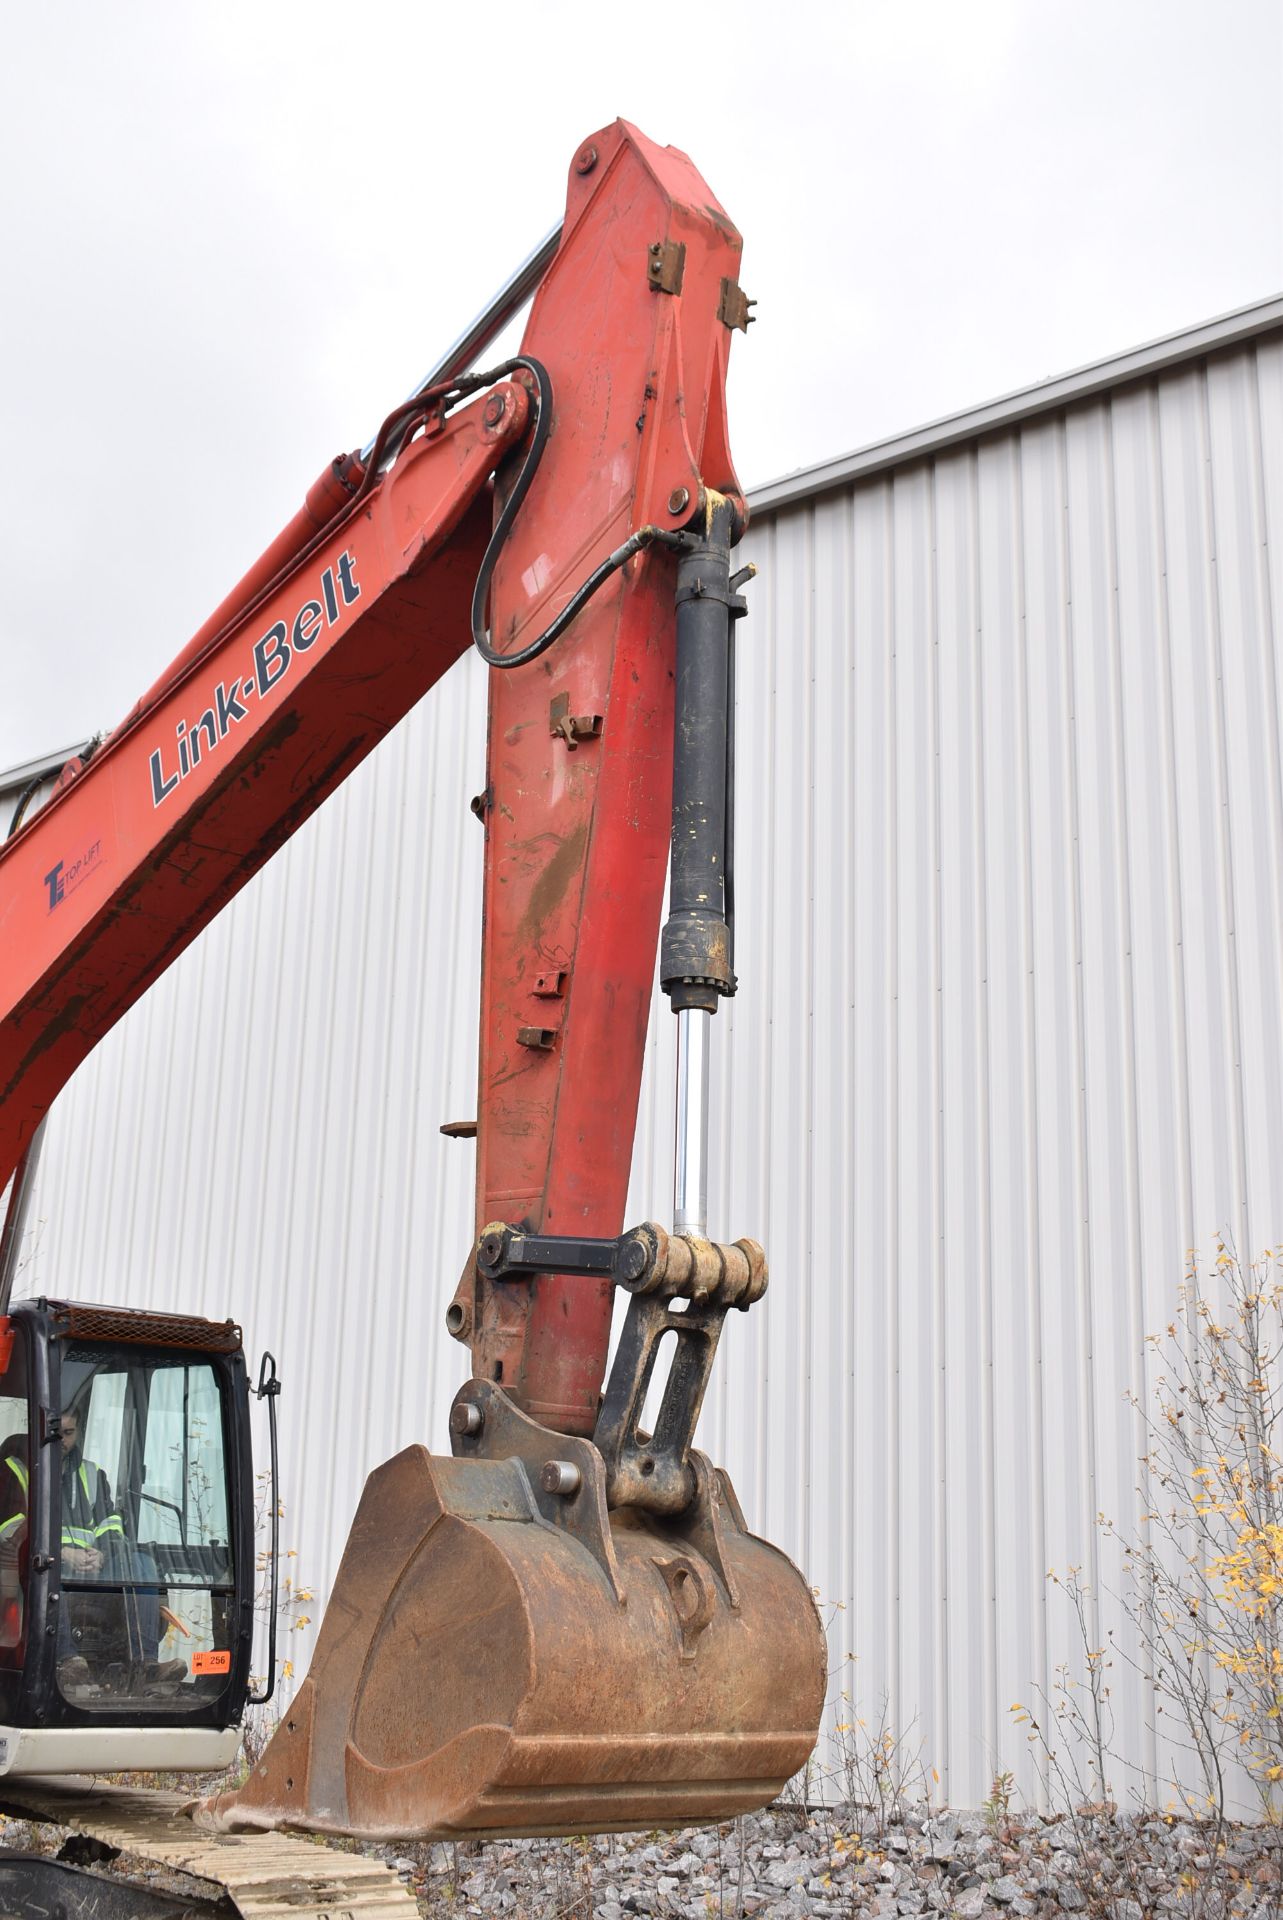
273,655
66,875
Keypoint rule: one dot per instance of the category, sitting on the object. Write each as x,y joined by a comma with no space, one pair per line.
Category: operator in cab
90,1524
89,1514
115,1630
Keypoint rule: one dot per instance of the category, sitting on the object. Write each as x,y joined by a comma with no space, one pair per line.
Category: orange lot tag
212,1662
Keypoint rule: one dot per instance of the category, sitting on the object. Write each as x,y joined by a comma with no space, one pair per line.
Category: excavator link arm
577,825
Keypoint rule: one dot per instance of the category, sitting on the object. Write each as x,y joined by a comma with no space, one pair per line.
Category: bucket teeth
487,1667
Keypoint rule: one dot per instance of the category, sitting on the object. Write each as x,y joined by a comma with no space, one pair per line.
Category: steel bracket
571,727
666,265
734,308
486,1425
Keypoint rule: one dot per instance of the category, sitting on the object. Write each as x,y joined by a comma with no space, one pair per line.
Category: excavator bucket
498,1658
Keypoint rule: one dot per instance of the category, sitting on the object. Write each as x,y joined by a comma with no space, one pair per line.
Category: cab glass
146,1556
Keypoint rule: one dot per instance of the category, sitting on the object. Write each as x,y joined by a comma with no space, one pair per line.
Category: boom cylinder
695,949
696,953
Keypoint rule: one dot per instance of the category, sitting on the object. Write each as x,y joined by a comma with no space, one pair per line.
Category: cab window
145,1538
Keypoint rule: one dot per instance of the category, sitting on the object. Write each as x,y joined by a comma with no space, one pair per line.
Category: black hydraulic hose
644,537
24,801
33,787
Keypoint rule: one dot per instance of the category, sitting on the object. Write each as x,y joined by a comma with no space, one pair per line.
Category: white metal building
1007,1043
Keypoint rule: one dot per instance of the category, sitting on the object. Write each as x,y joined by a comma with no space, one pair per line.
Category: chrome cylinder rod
690,1160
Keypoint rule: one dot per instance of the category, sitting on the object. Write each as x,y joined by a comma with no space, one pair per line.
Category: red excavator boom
642,1657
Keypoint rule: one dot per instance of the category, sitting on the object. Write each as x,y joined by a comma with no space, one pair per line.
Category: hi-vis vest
19,1469
79,1528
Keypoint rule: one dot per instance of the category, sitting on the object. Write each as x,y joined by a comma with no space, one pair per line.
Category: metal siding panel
1010,920
1017,1495
875,1264
1269,443
1064,1271
785,1207
971,1649
1153,923
1215,1160
1109,1018
1253,772
918,1338
751,1386
832,1228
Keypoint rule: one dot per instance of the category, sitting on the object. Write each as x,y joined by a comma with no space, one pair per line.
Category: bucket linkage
550,1634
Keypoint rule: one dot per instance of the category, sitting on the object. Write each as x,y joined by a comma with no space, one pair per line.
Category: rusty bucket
502,1655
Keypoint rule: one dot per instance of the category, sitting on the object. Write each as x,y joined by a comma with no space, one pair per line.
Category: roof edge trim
1191,343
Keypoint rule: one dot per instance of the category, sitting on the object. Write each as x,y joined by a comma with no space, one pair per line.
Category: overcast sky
236,234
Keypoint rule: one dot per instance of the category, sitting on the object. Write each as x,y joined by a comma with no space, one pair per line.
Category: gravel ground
835,1862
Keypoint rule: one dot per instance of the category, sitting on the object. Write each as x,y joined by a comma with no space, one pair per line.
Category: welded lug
714,1512
693,1595
504,1432
734,308
461,1315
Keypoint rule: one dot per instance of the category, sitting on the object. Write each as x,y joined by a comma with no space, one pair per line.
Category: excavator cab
127,1557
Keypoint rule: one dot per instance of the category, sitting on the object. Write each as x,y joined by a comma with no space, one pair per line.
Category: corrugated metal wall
1010,879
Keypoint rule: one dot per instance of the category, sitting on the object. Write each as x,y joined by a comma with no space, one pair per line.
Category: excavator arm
358,608
644,1657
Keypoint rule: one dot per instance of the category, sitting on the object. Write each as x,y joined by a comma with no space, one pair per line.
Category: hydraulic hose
644,537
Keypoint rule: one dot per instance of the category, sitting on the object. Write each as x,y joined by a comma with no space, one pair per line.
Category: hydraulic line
476,337
644,537
25,798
